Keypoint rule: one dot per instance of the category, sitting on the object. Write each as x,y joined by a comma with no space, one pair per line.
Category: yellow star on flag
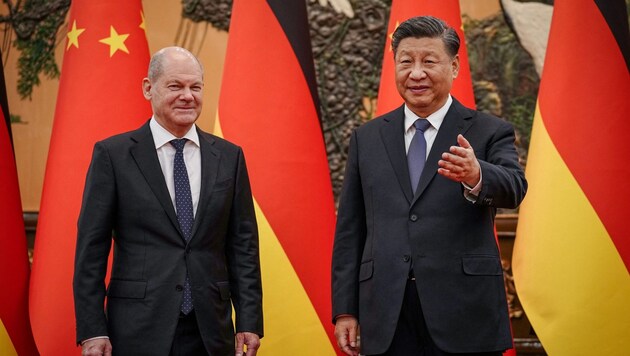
391,35
142,24
73,35
115,41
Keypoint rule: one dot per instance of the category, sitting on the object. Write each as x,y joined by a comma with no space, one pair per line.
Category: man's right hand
346,330
96,347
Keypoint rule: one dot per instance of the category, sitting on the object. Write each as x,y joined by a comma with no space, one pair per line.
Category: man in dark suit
178,204
415,261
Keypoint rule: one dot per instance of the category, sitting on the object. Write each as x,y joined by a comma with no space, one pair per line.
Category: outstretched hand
460,163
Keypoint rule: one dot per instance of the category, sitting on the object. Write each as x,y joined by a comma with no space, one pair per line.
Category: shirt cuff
472,193
94,338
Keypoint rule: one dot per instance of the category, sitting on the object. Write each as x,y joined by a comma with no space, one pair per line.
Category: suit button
413,217
188,250
406,258
179,288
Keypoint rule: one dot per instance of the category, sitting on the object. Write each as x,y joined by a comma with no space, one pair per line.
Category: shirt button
179,288
413,217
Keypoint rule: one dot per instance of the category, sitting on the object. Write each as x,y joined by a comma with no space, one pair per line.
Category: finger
239,345
454,159
352,337
462,141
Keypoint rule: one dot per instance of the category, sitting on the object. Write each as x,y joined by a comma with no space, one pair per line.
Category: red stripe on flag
267,108
585,93
14,268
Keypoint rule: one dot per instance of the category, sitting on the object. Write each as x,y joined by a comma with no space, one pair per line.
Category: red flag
572,252
100,95
15,329
268,105
447,10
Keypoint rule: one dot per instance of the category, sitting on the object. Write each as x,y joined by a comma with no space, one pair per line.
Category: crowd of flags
572,253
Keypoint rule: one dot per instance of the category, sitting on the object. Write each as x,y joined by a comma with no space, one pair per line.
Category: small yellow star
142,24
391,35
115,41
73,35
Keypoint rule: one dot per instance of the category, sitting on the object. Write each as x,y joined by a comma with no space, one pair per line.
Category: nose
187,94
417,71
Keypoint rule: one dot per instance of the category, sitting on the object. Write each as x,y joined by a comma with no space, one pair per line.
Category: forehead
421,45
182,68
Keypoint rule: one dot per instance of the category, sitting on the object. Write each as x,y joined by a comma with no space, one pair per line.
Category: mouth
418,89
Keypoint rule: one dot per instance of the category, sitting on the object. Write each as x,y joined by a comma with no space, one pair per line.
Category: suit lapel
392,134
457,121
210,158
145,155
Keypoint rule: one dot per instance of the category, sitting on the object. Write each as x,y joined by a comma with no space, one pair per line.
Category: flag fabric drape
447,10
401,10
106,56
268,105
16,337
572,252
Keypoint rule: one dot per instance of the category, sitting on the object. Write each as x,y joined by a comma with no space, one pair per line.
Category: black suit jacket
126,196
382,229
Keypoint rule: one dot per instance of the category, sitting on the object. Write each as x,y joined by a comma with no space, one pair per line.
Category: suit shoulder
377,122
491,120
219,142
120,139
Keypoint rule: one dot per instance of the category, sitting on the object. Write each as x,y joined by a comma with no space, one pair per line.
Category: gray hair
156,65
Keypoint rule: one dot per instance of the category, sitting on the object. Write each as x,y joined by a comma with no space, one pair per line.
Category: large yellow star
73,35
142,24
115,41
391,35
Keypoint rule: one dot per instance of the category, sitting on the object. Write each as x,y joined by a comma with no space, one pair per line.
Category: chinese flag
447,10
572,251
269,106
100,95
15,328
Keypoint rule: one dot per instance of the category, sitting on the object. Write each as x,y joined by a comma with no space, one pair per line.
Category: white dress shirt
436,119
166,155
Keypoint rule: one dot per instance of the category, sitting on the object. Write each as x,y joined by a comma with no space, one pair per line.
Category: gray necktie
417,154
184,206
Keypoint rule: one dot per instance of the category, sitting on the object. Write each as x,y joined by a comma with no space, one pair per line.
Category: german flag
572,252
106,56
15,329
269,106
401,10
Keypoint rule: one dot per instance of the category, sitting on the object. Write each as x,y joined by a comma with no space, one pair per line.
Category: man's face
424,73
176,94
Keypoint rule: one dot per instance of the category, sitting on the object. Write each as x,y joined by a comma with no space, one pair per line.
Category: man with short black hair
415,261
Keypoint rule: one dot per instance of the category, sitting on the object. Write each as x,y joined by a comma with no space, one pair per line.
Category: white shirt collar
161,136
435,119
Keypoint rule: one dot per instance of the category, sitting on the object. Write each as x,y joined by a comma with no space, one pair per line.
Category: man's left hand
460,163
251,340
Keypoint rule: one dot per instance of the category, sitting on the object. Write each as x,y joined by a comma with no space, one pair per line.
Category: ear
455,66
146,88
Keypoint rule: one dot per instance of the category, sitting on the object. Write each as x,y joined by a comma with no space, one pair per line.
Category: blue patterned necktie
184,207
417,154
